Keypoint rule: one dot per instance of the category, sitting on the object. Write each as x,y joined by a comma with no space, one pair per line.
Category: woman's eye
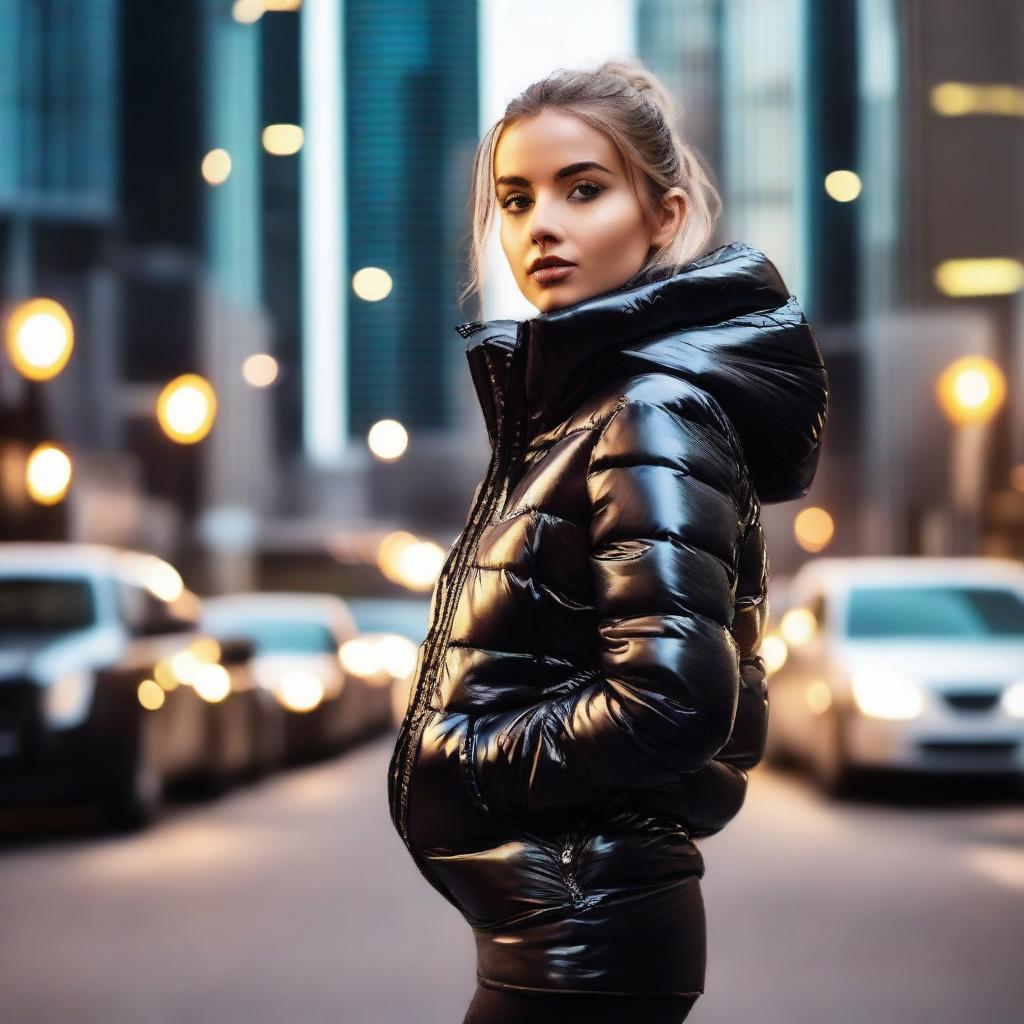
589,184
506,203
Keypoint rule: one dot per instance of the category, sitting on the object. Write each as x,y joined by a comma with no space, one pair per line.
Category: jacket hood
725,322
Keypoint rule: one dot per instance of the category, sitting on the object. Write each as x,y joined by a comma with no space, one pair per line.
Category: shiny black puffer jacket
589,696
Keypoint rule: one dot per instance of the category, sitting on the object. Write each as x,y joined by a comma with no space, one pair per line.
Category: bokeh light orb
186,408
387,440
40,337
372,284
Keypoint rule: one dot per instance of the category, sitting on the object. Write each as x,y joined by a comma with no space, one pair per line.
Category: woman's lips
551,275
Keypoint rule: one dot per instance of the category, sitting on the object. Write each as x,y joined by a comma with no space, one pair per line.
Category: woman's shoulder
675,396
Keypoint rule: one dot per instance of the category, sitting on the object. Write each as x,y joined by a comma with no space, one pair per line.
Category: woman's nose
544,227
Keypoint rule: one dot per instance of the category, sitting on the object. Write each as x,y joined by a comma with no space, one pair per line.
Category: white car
110,691
298,640
913,664
393,629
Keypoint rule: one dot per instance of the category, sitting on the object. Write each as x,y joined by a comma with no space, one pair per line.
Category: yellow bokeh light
419,564
970,278
300,690
971,389
813,528
281,5
216,167
151,694
260,370
212,683
282,139
390,549
961,99
247,11
798,626
360,657
372,284
774,651
842,186
818,696
206,649
387,440
397,654
40,337
164,673
186,408
409,561
185,666
47,474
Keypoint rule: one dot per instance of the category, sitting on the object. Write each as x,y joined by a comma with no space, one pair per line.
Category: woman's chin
547,300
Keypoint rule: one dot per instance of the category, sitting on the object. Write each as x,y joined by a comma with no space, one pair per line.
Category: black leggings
500,1006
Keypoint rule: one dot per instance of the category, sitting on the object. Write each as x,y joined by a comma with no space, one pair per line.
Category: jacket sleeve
665,522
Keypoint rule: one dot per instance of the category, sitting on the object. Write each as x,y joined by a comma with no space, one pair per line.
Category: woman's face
561,191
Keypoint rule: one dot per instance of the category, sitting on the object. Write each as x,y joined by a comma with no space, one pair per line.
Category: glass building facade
59,108
411,122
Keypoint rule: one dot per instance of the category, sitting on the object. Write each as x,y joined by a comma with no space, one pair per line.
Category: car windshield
405,616
273,636
936,612
34,604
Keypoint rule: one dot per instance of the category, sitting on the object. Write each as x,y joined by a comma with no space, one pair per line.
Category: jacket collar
733,279
726,321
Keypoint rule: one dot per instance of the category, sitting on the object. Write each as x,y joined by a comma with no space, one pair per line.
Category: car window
273,636
143,611
405,616
948,612
33,604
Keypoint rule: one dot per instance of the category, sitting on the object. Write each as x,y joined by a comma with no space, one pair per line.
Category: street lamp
186,408
40,337
47,474
970,391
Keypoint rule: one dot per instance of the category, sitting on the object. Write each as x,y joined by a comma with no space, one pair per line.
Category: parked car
911,664
391,631
298,639
109,690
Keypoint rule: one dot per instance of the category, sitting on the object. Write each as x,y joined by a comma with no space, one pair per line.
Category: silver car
299,641
913,664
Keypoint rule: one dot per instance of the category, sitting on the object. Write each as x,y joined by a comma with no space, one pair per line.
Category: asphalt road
294,901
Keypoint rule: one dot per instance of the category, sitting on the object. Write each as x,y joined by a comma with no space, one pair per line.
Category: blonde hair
627,102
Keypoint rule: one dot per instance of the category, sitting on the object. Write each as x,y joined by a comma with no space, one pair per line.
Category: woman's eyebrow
565,172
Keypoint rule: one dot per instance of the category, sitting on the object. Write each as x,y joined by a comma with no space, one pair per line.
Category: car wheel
829,766
216,776
138,797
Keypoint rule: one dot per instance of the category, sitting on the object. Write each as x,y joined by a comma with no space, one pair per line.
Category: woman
589,697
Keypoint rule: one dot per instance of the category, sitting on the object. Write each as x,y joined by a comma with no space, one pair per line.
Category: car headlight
67,699
882,694
1013,699
299,690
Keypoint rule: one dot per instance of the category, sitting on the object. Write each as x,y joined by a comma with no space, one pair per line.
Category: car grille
972,700
996,750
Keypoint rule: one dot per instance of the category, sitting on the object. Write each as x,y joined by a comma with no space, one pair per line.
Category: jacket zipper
567,873
490,497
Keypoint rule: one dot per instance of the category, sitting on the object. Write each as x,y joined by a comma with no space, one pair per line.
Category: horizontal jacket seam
492,983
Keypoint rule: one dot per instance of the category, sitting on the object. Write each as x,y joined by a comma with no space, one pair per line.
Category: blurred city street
266,906
313,329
